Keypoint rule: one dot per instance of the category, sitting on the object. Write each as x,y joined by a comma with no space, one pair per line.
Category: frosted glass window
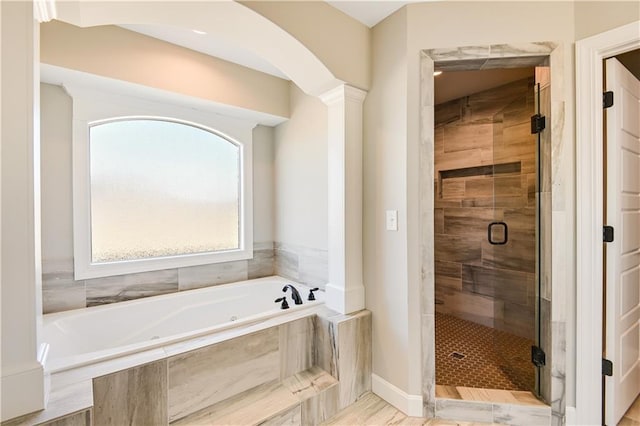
161,188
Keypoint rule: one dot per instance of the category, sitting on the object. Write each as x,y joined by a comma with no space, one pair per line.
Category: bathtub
86,336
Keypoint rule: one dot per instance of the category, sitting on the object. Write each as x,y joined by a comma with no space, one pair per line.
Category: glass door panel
509,253
543,231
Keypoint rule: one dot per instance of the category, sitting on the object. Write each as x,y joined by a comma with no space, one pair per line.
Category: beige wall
114,52
392,128
300,171
57,190
56,116
596,17
263,184
392,117
339,41
385,182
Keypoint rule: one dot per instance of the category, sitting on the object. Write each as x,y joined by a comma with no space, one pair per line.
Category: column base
22,392
344,300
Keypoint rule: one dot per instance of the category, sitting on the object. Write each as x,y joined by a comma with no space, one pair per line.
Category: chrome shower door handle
505,233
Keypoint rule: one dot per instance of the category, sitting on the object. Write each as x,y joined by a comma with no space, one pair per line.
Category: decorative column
22,373
345,289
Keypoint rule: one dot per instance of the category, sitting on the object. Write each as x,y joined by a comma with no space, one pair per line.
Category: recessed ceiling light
199,32
436,73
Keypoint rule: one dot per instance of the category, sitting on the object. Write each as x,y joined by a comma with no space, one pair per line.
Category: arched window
157,186
161,188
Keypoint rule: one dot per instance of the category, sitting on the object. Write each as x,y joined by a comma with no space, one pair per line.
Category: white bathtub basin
90,335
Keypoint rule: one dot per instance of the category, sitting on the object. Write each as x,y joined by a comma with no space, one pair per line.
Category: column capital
341,92
44,10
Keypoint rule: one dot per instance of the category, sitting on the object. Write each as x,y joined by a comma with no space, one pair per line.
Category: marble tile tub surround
305,265
62,293
240,364
204,381
561,205
337,344
300,359
134,396
290,401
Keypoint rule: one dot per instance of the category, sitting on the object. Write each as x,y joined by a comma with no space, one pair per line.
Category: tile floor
492,359
632,416
370,410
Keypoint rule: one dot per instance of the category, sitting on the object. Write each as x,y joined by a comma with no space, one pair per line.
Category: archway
228,20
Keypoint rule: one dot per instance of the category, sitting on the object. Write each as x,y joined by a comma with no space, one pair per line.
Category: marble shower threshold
464,393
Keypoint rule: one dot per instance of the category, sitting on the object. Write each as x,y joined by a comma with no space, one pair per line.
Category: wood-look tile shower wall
490,285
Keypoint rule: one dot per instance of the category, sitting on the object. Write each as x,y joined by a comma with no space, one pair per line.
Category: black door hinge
538,123
607,99
607,234
538,357
607,367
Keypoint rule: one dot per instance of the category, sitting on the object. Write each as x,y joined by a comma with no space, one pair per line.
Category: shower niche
487,221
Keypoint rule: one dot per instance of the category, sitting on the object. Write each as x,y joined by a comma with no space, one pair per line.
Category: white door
623,255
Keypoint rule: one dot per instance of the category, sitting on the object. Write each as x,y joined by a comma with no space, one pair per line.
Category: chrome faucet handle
311,295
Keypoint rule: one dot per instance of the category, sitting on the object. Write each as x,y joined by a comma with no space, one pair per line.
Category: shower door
511,248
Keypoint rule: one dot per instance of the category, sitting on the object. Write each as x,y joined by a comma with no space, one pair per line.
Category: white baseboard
411,405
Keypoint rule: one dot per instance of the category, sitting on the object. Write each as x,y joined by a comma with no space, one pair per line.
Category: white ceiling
369,12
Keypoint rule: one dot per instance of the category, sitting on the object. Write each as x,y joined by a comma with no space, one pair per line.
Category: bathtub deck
71,400
295,360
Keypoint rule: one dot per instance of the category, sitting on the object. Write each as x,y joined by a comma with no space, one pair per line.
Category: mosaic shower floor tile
472,355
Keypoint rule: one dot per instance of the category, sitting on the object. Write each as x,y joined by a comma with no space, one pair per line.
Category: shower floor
472,355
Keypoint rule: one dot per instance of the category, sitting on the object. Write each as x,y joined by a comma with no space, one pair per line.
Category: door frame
590,53
554,323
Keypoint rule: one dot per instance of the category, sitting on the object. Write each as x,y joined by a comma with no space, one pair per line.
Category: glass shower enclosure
513,246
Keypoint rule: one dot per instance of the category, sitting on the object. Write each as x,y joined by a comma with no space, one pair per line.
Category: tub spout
294,294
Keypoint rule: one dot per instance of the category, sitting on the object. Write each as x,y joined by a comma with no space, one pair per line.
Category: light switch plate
392,220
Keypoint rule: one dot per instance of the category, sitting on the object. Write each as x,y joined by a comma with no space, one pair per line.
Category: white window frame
92,106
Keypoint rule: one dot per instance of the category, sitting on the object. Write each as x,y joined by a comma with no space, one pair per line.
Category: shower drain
457,355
